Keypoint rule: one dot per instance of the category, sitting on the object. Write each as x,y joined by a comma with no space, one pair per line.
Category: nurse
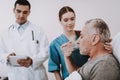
27,40
56,63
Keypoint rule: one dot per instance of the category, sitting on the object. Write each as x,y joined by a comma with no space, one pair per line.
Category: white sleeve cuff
74,76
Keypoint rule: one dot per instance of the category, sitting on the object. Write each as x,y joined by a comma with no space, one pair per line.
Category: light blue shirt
21,28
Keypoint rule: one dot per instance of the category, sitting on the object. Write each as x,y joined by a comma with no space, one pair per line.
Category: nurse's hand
108,46
25,62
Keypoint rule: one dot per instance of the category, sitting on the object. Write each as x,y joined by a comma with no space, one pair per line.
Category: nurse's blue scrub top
56,58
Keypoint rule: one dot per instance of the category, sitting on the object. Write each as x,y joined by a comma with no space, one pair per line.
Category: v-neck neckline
68,39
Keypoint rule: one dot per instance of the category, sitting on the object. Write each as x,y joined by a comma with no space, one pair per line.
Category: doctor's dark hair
64,10
22,2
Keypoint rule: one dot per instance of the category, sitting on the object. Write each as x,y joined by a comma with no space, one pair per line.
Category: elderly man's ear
95,39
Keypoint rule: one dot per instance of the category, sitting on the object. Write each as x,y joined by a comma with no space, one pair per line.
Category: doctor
24,39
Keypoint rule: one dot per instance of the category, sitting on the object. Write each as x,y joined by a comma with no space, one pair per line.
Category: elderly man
102,65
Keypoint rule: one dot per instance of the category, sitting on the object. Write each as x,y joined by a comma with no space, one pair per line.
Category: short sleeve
54,58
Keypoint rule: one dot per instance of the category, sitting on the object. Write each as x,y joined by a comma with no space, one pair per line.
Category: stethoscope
33,39
12,26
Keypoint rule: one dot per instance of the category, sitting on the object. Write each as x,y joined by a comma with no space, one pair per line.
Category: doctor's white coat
12,41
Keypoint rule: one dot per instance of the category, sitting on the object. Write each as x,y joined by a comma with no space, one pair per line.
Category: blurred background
44,13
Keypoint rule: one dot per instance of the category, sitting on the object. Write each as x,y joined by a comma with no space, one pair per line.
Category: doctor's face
21,13
68,21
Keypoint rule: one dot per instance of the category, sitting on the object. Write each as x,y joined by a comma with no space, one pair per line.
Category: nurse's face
68,21
21,13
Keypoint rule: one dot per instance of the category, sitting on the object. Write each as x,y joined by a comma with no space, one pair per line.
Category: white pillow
116,46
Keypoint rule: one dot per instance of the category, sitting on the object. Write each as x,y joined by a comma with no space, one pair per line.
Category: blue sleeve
54,58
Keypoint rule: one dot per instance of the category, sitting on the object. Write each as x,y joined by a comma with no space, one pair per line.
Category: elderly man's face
84,41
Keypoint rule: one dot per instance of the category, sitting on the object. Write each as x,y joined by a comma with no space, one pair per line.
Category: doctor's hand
25,62
67,49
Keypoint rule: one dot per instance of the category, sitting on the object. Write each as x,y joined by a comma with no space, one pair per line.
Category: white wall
45,13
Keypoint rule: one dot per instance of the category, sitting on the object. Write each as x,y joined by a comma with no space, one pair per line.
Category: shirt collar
25,25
